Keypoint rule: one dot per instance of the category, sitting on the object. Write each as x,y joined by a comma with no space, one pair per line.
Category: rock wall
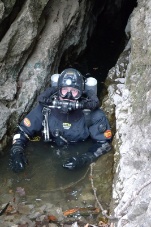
129,93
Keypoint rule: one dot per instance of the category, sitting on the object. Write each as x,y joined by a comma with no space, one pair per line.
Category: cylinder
54,80
91,84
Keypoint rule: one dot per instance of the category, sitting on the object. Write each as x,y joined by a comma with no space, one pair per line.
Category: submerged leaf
82,211
69,212
52,218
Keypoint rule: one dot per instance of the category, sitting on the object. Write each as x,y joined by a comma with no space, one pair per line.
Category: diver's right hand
18,159
47,96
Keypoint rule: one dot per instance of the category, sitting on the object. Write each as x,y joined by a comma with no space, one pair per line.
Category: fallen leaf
82,211
10,209
69,212
52,218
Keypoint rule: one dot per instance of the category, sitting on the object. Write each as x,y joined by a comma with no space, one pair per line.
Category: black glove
99,149
87,158
74,163
18,159
47,96
92,102
79,161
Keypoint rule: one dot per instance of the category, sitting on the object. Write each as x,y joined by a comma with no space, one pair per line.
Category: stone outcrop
129,92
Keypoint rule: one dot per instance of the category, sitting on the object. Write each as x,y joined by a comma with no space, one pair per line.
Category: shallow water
46,181
44,172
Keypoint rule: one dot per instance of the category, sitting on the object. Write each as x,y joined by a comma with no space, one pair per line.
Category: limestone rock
4,116
130,98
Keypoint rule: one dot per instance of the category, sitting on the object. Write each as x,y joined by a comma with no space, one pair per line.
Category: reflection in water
46,181
44,173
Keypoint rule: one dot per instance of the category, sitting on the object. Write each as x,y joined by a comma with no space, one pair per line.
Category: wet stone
41,218
13,226
49,205
52,225
25,209
42,208
9,218
87,196
34,215
66,225
24,220
57,212
6,197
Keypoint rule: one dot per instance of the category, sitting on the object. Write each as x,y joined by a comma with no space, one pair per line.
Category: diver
59,117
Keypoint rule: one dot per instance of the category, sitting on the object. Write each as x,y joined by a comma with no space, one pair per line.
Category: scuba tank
54,80
91,84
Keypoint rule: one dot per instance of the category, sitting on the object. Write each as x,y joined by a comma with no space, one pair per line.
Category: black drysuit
69,127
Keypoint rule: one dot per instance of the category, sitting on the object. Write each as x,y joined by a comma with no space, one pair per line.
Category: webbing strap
36,138
46,111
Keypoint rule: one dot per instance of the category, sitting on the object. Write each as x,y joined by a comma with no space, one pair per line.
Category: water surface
46,181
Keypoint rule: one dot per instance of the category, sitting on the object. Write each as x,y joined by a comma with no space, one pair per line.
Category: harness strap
46,111
36,138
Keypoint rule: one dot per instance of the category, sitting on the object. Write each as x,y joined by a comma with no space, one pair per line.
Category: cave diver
60,117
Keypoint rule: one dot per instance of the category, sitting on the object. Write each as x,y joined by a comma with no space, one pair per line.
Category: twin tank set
90,83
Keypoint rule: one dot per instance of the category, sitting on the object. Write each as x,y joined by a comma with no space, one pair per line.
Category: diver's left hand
75,162
71,163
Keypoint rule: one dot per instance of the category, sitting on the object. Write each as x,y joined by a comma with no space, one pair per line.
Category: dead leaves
82,211
52,218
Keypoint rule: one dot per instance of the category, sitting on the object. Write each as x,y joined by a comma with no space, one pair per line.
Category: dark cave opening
107,42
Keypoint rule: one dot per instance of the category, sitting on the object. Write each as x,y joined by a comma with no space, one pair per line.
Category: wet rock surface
128,93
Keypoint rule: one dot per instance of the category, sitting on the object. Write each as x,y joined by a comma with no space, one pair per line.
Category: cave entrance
106,42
